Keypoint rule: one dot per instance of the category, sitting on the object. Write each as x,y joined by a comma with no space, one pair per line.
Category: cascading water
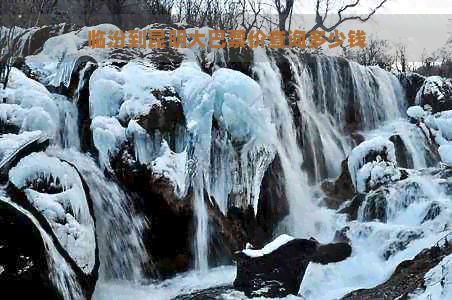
235,127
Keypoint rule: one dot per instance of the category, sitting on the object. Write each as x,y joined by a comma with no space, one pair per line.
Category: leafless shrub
8,48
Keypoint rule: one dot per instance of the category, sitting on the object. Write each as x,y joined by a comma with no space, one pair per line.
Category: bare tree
376,53
116,8
322,14
88,9
401,60
284,9
250,14
8,48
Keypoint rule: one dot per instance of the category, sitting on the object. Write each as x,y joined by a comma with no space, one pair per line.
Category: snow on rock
270,247
442,122
64,206
108,135
435,92
438,282
445,151
10,142
367,152
28,105
55,61
416,112
172,166
375,173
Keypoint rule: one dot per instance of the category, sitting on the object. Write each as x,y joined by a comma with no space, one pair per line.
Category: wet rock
375,206
23,259
407,278
277,270
411,83
404,159
340,190
436,92
404,238
206,294
273,204
352,208
433,210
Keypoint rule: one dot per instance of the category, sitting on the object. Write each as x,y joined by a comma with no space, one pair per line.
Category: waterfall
306,112
285,142
68,136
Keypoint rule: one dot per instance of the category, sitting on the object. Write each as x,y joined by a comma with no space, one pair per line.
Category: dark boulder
340,190
433,210
352,208
404,160
24,271
273,204
436,92
277,270
375,206
411,83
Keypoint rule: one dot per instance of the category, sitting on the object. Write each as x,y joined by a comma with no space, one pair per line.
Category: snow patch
270,247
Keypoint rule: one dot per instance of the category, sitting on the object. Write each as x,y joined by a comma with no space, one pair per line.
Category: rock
433,211
164,117
277,270
375,206
340,190
273,204
33,144
411,83
352,209
436,92
32,40
23,258
404,159
407,277
404,238
207,294
73,233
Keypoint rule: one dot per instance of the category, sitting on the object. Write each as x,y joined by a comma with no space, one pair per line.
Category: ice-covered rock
372,161
55,190
416,112
28,105
436,92
108,135
445,151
